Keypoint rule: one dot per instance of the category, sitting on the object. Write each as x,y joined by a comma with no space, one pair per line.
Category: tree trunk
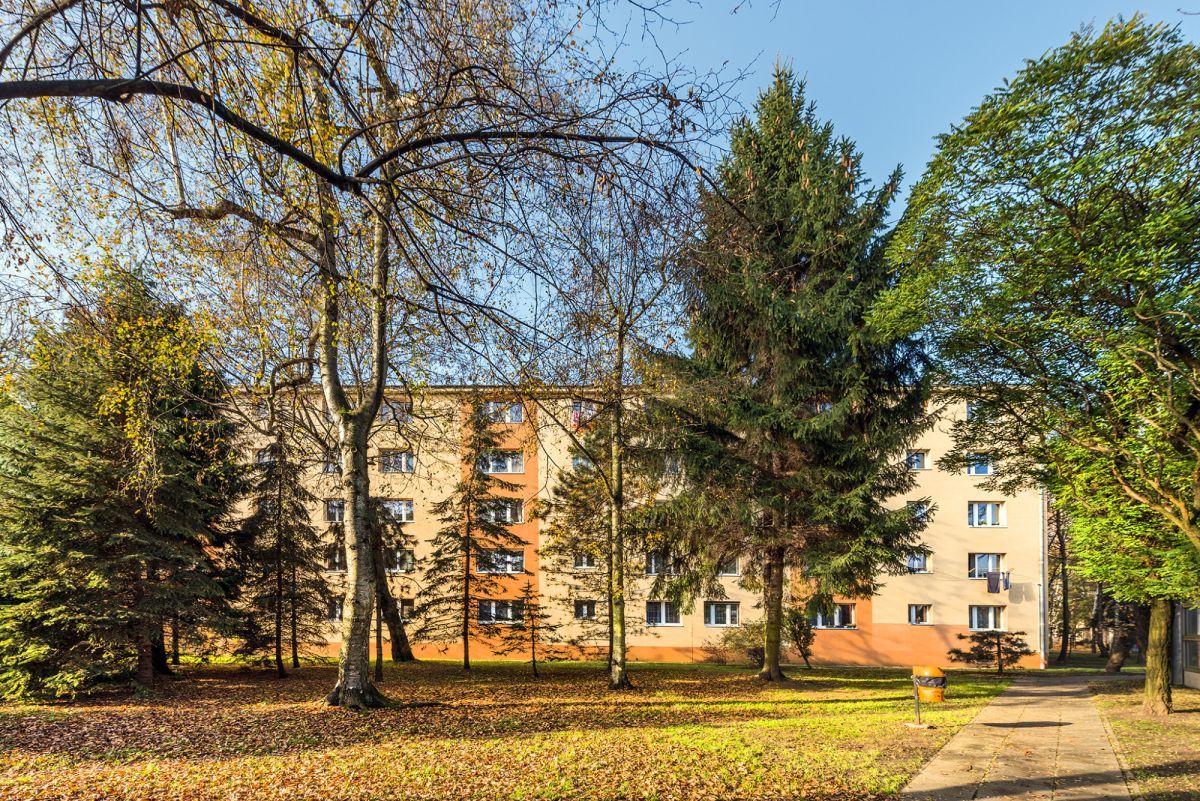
279,671
1157,700
175,639
145,662
158,652
1098,644
466,597
773,571
618,675
533,646
354,688
1064,649
378,639
1122,641
999,652
389,610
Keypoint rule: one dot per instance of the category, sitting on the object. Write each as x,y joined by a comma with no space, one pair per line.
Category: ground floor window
333,610
501,612
1191,640
986,618
662,613
720,613
841,616
918,614
585,610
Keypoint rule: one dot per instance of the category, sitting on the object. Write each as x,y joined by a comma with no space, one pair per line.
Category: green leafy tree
471,550
800,633
1050,254
1003,649
535,634
116,476
283,590
794,413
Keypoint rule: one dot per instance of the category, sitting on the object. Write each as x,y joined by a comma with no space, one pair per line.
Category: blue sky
893,75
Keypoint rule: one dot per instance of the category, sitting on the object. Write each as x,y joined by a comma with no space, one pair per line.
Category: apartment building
985,566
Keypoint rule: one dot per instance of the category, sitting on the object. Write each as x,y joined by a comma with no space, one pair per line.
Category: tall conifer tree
116,475
800,412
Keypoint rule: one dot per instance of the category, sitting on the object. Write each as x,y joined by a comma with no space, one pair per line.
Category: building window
408,609
335,558
584,560
974,410
919,510
504,412
400,560
398,511
662,613
672,465
728,566
585,610
918,563
580,462
332,462
979,464
333,610
507,612
986,618
502,462
985,514
720,613
503,511
658,562
980,564
918,614
397,461
335,511
1191,640
500,561
840,617
265,456
582,412
391,411
918,460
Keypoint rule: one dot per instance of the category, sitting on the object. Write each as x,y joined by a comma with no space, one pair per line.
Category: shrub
747,640
1000,648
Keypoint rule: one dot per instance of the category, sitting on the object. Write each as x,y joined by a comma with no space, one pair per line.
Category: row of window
403,461
501,510
404,560
978,464
979,618
978,564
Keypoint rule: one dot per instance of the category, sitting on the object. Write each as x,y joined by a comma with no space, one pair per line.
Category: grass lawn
1164,755
685,732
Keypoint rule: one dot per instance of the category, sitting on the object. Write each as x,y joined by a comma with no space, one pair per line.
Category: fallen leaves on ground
1163,753
685,732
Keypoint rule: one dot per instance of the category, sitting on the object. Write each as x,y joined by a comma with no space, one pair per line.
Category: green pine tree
116,476
795,413
283,590
470,552
535,633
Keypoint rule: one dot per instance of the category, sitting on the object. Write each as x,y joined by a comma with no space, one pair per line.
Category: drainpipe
1043,628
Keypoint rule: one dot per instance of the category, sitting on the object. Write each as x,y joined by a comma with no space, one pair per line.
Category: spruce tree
794,413
535,634
116,476
464,561
283,590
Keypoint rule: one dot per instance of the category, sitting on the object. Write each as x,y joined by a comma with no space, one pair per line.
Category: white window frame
922,559
661,614
405,560
404,506
717,611
582,560
918,509
661,563
504,412
737,567
920,455
927,614
502,463
995,617
508,511
407,607
582,604
986,514
338,552
335,510
979,464
513,612
837,617
500,561
333,610
394,460
973,560
332,463
582,412
393,411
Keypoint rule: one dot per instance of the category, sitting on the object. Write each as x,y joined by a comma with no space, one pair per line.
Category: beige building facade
985,566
